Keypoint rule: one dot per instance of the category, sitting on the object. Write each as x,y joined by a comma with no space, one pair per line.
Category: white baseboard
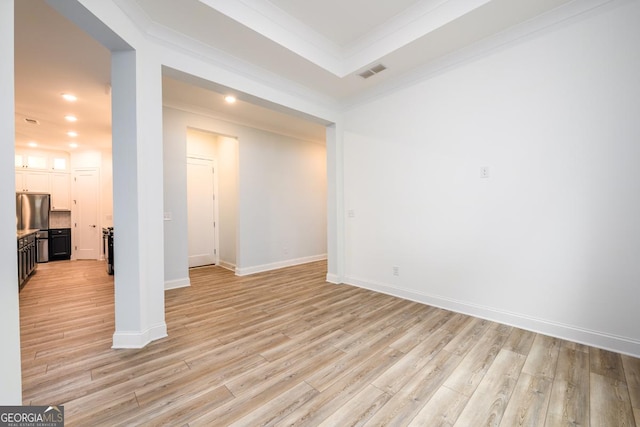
227,265
135,339
334,278
177,283
592,338
280,264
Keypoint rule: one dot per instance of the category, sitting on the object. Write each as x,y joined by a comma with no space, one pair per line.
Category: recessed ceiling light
32,144
69,97
230,99
70,118
72,134
73,145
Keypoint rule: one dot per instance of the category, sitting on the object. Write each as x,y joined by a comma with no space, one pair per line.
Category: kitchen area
58,208
63,161
43,210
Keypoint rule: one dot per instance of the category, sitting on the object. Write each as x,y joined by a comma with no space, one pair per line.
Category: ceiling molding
562,15
402,29
234,120
211,87
410,25
282,28
411,33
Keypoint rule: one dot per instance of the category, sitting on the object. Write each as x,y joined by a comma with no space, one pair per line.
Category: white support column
137,198
136,102
10,363
335,203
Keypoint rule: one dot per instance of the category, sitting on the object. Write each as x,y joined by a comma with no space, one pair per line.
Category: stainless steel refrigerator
32,213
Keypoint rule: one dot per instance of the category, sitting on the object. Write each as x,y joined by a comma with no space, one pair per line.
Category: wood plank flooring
287,348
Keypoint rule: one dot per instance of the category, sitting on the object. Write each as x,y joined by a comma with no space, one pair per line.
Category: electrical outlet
396,270
484,172
351,213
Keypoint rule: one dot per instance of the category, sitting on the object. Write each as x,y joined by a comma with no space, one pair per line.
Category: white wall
551,240
176,249
10,369
280,197
282,201
227,199
201,144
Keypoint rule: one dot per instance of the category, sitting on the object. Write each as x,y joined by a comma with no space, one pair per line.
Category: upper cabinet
32,181
32,160
60,163
42,160
60,184
45,172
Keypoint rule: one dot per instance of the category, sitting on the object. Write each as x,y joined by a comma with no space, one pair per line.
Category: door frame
216,219
74,212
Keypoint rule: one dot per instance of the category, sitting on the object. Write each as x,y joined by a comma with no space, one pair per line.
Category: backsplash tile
60,219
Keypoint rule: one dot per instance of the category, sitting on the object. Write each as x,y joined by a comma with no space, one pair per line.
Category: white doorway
86,231
201,212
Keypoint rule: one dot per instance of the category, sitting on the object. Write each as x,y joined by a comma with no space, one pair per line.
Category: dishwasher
42,243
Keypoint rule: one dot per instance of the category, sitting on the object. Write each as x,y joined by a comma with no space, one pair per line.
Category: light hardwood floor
287,348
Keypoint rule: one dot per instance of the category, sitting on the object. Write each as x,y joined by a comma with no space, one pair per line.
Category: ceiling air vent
31,121
372,71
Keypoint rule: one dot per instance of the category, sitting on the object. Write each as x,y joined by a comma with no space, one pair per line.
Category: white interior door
87,233
201,212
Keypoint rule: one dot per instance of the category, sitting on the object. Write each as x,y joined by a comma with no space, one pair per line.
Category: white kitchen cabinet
45,172
59,162
20,161
42,160
32,181
31,159
60,191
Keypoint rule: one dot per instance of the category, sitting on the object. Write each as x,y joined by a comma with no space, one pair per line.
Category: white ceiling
312,48
342,22
52,56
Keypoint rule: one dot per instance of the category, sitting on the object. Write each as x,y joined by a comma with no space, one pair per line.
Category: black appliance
107,247
59,243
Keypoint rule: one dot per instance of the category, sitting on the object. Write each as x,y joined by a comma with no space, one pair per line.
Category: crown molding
412,24
548,21
278,26
212,114
273,23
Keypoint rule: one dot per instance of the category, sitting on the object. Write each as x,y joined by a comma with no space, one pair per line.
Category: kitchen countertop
24,233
